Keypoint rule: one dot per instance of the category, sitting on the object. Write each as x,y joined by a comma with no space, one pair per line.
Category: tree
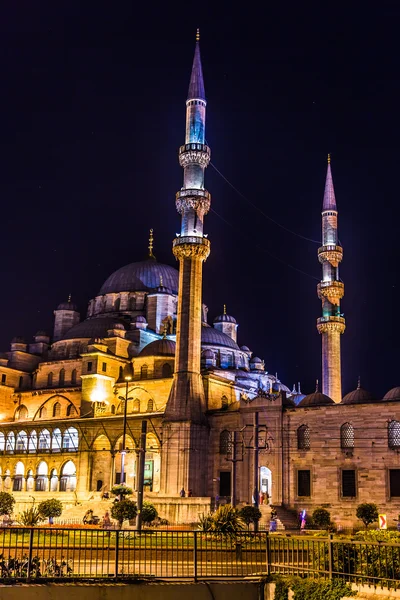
250,514
367,513
321,518
149,512
50,508
7,502
121,490
123,510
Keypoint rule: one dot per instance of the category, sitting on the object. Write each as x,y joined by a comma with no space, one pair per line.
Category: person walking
182,493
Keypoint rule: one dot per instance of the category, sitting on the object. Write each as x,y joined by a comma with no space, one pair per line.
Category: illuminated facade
62,398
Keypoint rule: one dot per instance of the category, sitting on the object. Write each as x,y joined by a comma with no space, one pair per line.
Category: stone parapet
330,253
191,247
194,153
196,199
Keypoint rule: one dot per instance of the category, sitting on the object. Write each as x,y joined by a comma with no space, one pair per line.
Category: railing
62,554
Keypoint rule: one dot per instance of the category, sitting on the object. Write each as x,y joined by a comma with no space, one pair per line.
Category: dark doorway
99,485
224,483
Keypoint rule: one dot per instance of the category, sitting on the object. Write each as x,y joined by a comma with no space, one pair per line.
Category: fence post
268,553
30,551
195,555
330,555
116,566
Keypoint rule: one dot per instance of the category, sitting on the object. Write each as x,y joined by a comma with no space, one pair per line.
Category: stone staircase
287,519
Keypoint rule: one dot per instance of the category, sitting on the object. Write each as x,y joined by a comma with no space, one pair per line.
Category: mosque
72,405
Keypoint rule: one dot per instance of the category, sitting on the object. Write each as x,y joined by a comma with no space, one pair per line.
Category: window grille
57,409
150,405
303,437
61,377
347,436
143,372
394,435
225,442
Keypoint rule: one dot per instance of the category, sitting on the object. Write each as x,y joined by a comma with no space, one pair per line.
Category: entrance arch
266,483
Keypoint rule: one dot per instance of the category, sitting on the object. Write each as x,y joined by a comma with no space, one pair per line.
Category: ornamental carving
194,157
331,327
332,256
333,292
200,204
200,251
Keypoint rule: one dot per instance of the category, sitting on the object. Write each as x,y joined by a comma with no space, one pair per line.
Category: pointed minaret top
316,386
329,194
151,241
224,309
196,85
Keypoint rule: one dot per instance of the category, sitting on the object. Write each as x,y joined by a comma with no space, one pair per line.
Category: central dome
141,276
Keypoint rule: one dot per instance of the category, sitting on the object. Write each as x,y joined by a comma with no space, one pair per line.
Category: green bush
123,510
121,490
225,521
316,589
205,523
367,513
29,517
7,502
250,514
321,518
50,508
149,512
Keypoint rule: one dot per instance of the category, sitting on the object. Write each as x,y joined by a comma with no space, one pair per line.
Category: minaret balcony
196,199
331,290
330,253
191,246
194,153
331,324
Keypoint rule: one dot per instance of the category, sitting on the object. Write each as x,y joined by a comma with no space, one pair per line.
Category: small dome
245,349
18,339
224,319
393,394
163,347
358,396
256,360
139,319
141,276
93,328
288,402
316,399
67,306
213,337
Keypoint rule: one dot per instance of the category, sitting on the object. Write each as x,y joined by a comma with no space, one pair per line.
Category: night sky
93,112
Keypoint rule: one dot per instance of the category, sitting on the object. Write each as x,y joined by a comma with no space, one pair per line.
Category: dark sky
93,111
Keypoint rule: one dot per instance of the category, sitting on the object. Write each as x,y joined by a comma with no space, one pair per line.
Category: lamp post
128,376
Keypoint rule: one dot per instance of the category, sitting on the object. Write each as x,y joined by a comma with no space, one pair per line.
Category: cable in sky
261,211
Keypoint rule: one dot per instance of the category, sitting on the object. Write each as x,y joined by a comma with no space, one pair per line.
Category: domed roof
210,335
358,396
141,276
256,360
316,399
245,349
163,347
139,319
93,328
224,319
393,394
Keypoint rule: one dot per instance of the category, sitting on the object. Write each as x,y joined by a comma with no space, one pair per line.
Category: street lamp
128,376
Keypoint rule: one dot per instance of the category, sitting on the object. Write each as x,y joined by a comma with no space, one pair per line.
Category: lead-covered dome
142,276
214,337
316,399
163,347
393,394
93,328
358,396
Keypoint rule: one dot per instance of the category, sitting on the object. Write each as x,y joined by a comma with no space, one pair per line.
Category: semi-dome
358,396
93,328
163,347
214,337
316,399
393,394
142,276
256,360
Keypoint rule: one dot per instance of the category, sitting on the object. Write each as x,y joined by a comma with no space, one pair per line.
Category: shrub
321,518
367,513
149,512
29,517
205,523
250,514
50,508
123,510
7,502
121,490
226,521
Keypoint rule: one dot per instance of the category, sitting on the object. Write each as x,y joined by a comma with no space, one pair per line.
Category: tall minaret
331,325
187,400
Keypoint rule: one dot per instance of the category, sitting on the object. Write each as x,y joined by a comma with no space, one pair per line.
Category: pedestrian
182,493
216,502
51,520
106,520
190,493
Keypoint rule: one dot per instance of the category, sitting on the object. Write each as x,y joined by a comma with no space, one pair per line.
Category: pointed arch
224,402
68,477
43,412
71,410
61,377
42,481
50,379
347,436
21,444
57,409
21,414
56,440
44,440
225,442
117,304
303,438
150,405
74,376
144,372
70,439
166,370
101,443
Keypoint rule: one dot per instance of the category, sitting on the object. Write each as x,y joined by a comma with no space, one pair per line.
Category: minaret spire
196,85
330,291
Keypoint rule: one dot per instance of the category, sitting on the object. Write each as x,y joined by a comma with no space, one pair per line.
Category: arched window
150,405
61,377
394,435
22,413
224,402
166,370
136,405
117,304
19,472
56,409
347,436
10,443
225,442
56,441
143,372
2,442
22,442
68,477
41,477
132,303
112,409
53,480
71,410
30,481
73,377
32,443
70,440
44,440
50,379
43,412
303,437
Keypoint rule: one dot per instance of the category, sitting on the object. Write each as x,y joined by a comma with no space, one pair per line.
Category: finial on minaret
298,387
359,382
329,159
161,281
224,309
165,331
316,386
197,35
151,241
69,297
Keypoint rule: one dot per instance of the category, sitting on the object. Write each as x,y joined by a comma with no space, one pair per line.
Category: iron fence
56,553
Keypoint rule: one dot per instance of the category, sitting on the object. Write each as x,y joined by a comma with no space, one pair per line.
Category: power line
307,239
